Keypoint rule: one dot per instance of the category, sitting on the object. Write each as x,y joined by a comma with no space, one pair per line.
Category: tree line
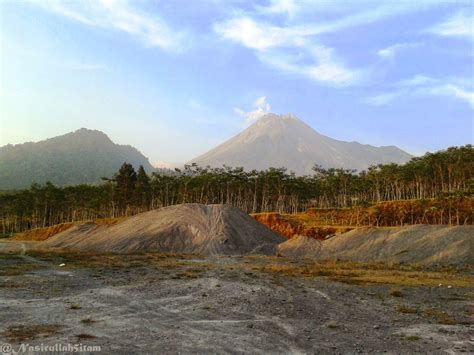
443,174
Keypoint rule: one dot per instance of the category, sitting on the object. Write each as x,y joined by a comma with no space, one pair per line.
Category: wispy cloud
321,65
416,81
286,7
452,91
348,13
390,51
119,15
296,45
381,99
261,108
460,24
421,85
275,46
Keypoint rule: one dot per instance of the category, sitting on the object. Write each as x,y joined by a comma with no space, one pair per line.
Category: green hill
83,156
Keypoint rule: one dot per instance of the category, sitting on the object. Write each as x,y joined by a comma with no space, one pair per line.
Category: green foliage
126,180
143,188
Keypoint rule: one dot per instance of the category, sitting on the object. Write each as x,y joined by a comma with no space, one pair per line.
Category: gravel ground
221,305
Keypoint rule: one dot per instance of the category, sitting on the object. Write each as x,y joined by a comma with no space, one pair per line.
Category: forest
446,175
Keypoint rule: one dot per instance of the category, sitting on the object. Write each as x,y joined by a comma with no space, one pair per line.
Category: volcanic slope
286,141
187,228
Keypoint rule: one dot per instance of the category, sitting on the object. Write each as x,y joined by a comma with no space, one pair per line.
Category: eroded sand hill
187,228
421,244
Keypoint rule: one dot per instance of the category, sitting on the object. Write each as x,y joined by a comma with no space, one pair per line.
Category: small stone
376,326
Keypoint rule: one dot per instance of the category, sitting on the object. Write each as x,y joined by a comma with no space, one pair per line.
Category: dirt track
222,305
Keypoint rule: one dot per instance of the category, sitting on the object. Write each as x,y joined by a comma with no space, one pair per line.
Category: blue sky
175,78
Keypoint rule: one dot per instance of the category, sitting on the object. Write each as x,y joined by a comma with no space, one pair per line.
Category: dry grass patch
186,275
26,332
88,321
9,256
101,260
364,273
406,310
411,337
9,284
439,316
17,269
396,293
84,336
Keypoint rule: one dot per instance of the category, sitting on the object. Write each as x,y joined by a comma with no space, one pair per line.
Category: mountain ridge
81,156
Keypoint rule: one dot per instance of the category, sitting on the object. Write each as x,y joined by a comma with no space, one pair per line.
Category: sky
176,78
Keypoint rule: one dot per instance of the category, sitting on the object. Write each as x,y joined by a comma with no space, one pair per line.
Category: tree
125,179
143,188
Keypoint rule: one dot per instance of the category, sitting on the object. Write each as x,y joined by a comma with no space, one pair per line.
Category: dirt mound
188,228
420,244
300,247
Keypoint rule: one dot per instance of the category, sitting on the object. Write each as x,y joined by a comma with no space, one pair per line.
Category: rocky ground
188,304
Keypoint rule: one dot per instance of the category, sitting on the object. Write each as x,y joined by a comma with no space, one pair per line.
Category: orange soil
290,226
40,234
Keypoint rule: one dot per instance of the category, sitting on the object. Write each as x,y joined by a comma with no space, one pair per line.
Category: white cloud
390,51
417,80
460,24
453,91
273,45
421,85
287,7
348,13
118,15
261,106
382,99
259,35
324,67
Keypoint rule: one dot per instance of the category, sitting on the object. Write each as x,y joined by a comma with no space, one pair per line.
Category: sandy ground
189,304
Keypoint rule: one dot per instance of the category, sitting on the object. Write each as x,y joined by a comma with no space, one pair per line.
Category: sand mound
300,247
188,228
421,244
